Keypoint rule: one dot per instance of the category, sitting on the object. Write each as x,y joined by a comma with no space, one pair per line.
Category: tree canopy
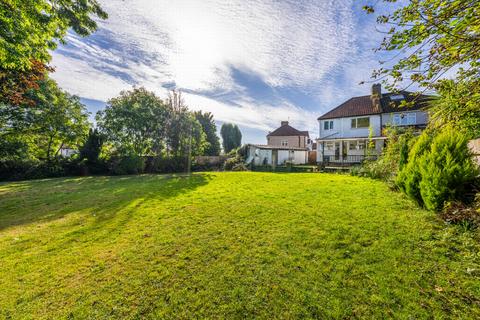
210,129
431,37
59,119
231,137
437,46
140,123
30,28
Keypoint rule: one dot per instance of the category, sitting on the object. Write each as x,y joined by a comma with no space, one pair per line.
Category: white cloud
195,44
250,114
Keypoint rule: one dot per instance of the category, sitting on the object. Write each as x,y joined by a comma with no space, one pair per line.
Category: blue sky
248,62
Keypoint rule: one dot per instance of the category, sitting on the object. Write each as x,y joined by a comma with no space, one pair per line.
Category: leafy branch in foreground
433,38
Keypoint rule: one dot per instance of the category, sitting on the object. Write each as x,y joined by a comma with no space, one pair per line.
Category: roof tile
362,106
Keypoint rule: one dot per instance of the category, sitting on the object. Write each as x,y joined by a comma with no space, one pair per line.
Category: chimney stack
376,96
284,123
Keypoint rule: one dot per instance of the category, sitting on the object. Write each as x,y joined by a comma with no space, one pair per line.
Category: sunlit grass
229,245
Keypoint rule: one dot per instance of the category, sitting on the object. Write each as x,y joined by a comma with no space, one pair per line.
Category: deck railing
348,160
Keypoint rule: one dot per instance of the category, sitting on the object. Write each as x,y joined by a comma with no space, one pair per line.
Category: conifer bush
447,170
409,177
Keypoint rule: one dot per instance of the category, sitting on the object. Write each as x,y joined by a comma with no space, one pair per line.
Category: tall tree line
231,137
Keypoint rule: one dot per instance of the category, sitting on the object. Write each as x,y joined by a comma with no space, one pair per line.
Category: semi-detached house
347,130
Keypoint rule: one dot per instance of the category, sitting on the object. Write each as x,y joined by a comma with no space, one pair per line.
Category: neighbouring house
353,131
67,152
283,144
288,136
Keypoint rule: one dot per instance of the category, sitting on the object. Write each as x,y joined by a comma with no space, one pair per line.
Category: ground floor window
356,145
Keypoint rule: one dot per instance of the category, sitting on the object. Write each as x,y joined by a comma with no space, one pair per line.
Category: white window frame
328,125
329,146
356,123
284,143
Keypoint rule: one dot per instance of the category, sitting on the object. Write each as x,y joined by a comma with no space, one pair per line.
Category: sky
249,62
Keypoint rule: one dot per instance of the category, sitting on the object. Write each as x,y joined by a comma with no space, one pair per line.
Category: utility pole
189,160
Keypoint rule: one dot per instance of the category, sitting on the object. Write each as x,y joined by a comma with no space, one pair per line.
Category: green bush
231,163
447,171
409,177
130,164
237,159
393,157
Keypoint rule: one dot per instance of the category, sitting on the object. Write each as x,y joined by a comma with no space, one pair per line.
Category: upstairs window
328,125
284,143
405,119
360,123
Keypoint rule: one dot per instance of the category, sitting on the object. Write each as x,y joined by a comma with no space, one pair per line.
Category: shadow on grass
105,197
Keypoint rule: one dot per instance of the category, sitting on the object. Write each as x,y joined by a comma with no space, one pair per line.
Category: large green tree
185,134
210,129
458,105
431,38
29,30
58,120
139,122
135,122
91,149
231,137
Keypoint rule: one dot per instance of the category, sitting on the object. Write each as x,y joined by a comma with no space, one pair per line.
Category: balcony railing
347,160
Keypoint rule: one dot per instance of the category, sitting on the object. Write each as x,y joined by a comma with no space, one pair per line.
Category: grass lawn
229,245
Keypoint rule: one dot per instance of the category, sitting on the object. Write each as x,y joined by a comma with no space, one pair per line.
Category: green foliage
236,160
393,156
90,152
210,129
135,122
231,137
439,169
458,105
92,147
138,122
29,29
232,162
431,38
58,119
127,164
408,179
447,171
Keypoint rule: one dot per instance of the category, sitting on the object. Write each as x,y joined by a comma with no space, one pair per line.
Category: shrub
393,157
34,169
230,163
447,171
130,164
409,177
238,157
15,169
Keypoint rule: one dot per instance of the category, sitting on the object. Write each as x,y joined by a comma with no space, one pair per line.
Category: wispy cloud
197,46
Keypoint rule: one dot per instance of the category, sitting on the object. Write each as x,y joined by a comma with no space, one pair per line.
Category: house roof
264,146
362,106
287,130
